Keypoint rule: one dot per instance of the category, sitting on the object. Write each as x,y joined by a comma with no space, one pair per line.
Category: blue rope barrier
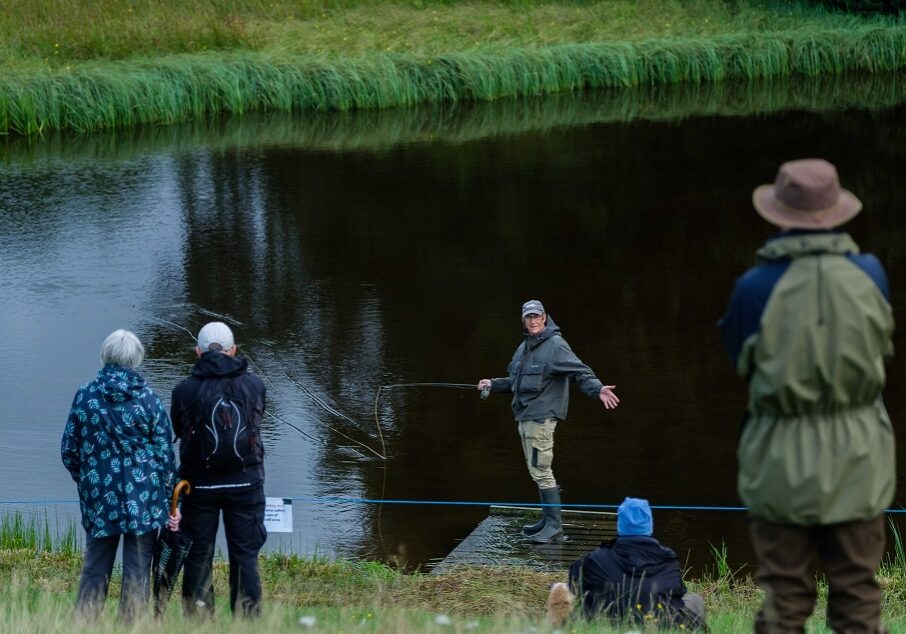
352,500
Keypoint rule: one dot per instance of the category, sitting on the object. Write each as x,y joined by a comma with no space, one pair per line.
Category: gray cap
215,332
532,307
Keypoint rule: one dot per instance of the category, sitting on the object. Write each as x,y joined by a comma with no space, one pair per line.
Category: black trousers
100,553
243,522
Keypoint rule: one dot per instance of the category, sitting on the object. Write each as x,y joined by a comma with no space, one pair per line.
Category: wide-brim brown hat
806,195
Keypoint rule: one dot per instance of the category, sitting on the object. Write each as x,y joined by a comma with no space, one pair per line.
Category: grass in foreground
38,580
112,63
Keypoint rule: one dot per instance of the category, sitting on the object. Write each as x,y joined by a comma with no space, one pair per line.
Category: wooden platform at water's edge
498,540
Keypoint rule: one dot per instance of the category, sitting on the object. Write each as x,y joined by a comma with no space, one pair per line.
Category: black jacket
210,365
632,579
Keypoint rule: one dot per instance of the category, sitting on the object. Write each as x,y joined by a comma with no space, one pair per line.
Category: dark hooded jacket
539,374
631,579
116,446
211,365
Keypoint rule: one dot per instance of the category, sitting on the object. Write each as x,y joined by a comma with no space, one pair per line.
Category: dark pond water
356,251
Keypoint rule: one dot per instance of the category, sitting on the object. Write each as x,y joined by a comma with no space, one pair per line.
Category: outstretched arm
607,396
566,362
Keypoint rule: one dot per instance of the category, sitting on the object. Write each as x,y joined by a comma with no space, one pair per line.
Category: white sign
278,515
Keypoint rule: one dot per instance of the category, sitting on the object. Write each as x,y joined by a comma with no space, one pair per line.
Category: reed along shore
82,65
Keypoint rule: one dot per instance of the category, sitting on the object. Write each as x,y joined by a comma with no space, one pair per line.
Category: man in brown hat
809,328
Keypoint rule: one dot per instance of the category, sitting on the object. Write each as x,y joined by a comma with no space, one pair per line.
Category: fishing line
328,408
319,401
315,398
267,378
257,367
381,388
304,433
170,323
263,375
210,313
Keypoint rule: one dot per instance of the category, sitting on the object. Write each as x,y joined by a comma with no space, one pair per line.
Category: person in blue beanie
633,579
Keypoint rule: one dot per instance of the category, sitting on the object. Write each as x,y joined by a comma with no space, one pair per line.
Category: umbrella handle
182,484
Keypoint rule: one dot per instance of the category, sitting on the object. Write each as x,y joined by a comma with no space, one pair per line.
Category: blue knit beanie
634,517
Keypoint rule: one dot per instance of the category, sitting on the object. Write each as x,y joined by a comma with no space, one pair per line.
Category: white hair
122,348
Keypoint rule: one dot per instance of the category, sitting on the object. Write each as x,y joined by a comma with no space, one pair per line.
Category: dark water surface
350,263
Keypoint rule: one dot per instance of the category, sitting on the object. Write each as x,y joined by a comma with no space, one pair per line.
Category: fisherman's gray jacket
539,376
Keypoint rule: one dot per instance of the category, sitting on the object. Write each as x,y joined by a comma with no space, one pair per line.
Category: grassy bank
377,130
91,65
39,576
38,590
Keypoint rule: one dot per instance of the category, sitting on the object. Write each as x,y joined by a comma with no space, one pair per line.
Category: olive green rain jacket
809,328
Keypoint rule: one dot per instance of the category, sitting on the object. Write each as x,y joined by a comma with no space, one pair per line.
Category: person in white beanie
216,415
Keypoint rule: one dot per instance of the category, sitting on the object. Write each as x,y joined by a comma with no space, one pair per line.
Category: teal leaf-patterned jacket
117,448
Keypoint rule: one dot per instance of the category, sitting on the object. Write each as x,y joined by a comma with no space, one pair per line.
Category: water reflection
352,252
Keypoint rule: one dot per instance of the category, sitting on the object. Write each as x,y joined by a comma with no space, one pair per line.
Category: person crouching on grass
633,579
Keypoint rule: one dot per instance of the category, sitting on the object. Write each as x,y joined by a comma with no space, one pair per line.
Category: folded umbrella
169,556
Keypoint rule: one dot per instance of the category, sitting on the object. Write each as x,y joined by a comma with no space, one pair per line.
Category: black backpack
223,434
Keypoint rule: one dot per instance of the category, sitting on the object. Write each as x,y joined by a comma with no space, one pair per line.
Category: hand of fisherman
173,521
607,396
484,384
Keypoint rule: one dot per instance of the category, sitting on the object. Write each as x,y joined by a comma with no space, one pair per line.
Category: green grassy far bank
84,65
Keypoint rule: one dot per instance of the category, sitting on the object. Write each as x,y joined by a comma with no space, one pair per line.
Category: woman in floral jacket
117,448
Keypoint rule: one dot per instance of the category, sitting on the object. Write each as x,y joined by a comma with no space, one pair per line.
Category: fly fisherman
538,378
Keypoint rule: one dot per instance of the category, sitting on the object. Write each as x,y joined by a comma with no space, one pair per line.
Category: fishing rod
458,386
455,386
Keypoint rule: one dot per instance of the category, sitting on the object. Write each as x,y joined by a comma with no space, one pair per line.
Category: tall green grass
102,95
376,130
79,65
892,576
31,532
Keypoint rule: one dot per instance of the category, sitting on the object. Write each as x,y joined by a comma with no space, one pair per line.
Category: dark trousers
100,553
243,522
851,553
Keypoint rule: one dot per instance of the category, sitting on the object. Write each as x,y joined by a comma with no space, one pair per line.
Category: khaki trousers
851,553
538,446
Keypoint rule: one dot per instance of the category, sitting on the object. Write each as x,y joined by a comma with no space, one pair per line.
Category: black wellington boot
530,529
552,530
